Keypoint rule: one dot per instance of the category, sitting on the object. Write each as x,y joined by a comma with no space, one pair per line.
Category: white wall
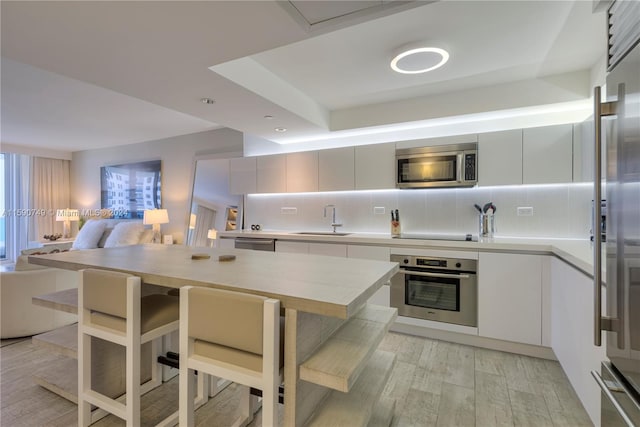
177,155
560,211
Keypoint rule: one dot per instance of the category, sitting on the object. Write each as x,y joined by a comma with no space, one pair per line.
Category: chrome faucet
333,218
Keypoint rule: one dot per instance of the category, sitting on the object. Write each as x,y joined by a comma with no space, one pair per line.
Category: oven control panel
450,264
428,262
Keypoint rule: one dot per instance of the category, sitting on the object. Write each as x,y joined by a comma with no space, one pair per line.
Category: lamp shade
212,234
67,215
156,216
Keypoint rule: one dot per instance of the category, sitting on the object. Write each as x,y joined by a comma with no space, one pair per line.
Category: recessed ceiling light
419,60
268,117
207,101
280,129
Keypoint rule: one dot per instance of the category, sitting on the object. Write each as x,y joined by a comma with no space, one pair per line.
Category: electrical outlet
525,211
378,210
289,211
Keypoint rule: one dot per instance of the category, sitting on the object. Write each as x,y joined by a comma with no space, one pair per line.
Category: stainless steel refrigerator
619,378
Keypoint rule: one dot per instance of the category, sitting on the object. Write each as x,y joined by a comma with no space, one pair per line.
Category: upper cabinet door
500,158
336,169
547,154
302,172
272,174
375,166
242,175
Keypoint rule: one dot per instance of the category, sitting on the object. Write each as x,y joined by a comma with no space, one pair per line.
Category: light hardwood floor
435,383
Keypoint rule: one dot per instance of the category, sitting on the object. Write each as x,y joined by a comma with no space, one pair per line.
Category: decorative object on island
155,217
67,215
212,235
52,237
128,190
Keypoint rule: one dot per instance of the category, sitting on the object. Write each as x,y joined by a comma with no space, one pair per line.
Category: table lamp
155,217
67,215
213,235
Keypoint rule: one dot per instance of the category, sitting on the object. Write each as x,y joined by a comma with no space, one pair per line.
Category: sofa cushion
125,234
89,235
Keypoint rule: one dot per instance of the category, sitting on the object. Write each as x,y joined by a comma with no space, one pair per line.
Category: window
3,212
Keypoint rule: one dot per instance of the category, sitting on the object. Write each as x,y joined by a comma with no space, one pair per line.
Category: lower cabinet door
510,297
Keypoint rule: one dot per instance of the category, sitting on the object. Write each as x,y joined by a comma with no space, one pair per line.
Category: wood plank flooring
434,383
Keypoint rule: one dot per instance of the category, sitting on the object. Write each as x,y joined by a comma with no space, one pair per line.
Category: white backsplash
559,211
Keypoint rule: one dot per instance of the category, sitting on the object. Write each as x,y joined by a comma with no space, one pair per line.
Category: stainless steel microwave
437,166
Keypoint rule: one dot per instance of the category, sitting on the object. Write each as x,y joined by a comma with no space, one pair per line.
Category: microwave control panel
470,167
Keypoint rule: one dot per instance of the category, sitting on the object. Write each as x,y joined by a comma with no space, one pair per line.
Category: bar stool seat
110,308
234,336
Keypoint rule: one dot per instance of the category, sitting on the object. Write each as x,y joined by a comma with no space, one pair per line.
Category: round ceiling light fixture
207,101
280,129
419,60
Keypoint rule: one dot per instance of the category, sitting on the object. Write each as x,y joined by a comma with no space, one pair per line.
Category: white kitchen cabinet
583,149
336,169
330,249
302,172
377,253
500,158
375,166
292,247
271,174
547,154
510,297
242,175
572,333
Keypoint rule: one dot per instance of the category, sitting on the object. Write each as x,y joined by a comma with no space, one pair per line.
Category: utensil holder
486,225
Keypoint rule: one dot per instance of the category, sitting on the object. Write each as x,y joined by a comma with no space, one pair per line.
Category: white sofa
18,316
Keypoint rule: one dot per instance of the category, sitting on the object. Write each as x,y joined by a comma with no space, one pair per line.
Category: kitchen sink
321,233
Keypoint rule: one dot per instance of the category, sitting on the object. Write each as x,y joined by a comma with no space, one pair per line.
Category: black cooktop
431,236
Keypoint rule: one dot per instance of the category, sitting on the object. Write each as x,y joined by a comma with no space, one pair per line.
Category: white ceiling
82,75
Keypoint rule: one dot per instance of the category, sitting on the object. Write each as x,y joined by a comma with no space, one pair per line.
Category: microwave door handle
440,275
460,166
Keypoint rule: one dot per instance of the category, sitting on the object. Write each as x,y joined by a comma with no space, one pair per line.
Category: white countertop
577,252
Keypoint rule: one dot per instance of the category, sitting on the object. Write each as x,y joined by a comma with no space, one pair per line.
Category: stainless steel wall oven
439,289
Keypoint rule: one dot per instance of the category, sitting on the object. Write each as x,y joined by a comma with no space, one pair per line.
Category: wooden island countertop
330,286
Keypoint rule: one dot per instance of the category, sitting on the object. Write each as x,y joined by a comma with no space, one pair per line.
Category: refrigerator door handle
601,110
606,390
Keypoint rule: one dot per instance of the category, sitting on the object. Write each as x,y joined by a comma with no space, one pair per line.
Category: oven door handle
441,275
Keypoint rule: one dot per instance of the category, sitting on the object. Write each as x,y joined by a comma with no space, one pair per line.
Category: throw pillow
124,234
89,235
104,237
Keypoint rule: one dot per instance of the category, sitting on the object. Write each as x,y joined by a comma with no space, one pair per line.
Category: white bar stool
235,336
110,308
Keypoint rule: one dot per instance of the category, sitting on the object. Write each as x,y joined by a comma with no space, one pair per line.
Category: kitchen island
330,333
